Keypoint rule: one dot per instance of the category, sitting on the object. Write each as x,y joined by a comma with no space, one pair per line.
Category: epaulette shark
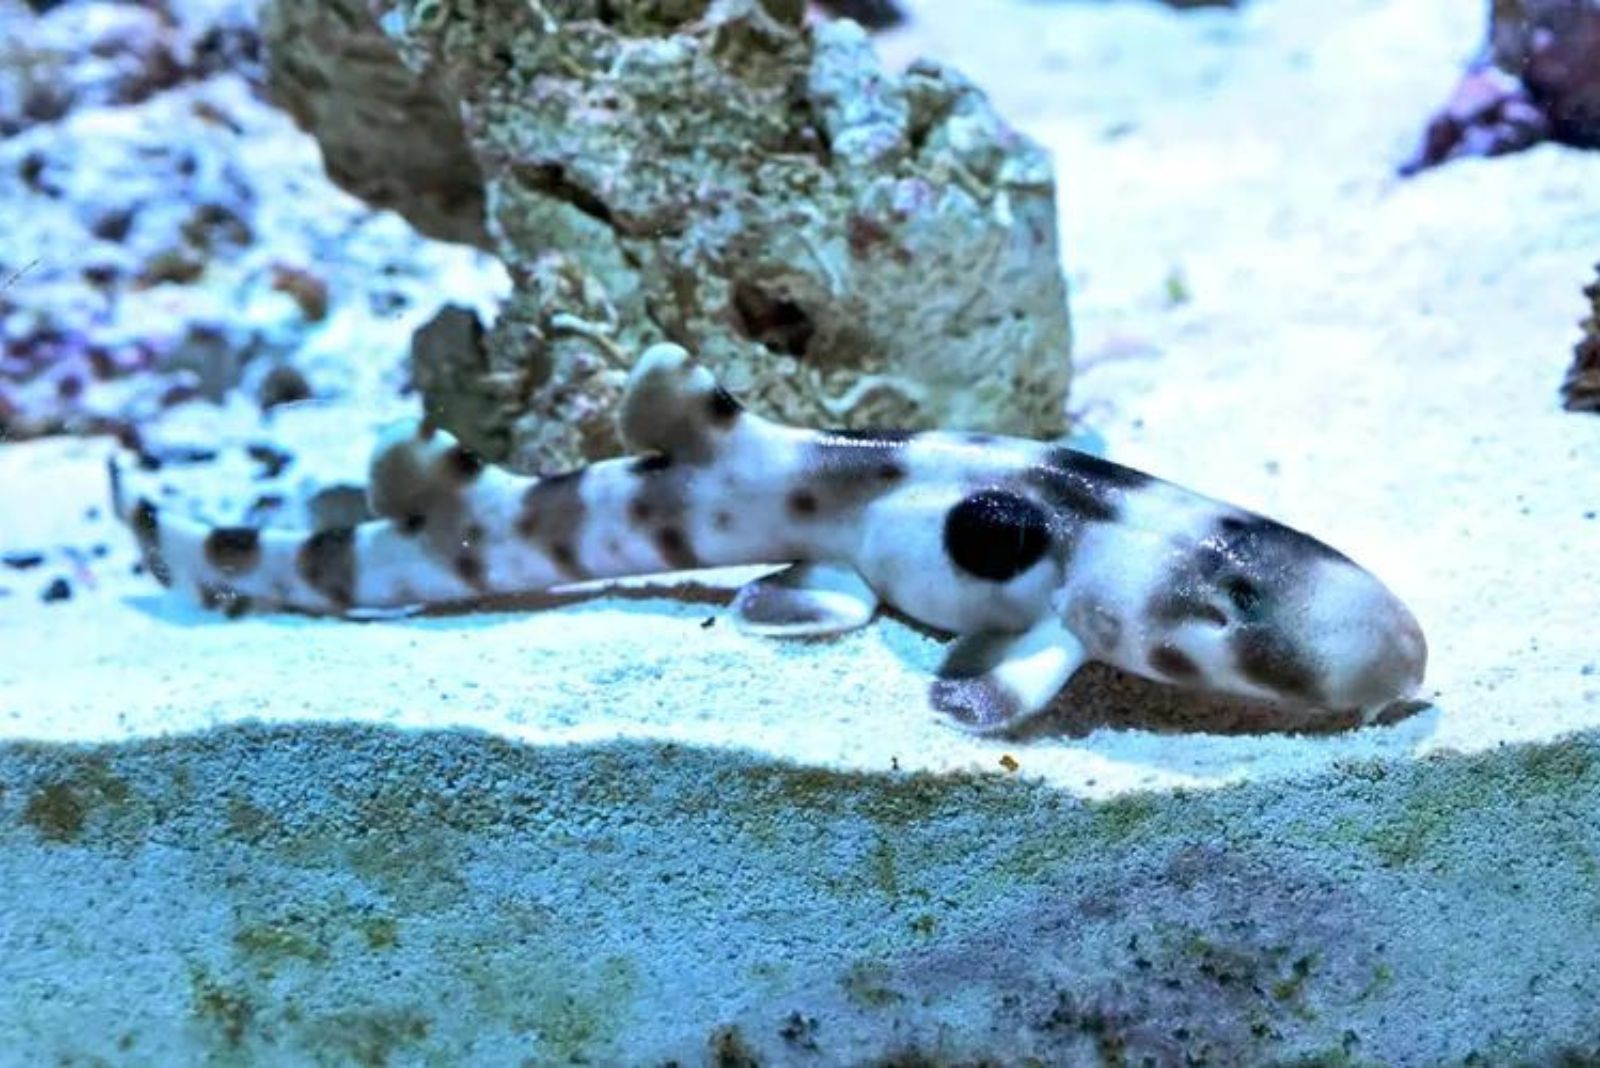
1037,557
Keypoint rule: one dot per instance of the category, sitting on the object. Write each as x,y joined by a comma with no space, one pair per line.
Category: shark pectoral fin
805,601
990,682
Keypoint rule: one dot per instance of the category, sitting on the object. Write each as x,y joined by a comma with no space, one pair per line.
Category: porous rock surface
392,139
845,246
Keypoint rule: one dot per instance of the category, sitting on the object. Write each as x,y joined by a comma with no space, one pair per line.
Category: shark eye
1244,595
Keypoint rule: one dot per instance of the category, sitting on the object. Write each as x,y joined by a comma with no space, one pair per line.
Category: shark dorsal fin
675,406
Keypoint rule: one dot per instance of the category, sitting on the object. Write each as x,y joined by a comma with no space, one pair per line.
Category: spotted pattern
996,535
1265,656
233,550
673,545
802,503
551,518
842,470
1222,581
327,563
462,465
1084,487
657,508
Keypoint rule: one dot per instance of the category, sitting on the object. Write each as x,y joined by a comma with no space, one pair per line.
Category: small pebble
58,590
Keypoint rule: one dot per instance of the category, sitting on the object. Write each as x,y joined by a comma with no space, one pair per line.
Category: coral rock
845,246
1538,78
389,138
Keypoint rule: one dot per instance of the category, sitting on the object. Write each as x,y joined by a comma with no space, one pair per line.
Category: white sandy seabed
615,833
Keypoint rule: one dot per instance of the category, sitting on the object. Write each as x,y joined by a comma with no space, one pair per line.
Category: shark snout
1383,656
1394,670
1368,643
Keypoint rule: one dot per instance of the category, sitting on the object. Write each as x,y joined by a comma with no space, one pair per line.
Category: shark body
1037,557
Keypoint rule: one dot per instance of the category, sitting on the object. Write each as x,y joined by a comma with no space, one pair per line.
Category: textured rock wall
393,140
845,246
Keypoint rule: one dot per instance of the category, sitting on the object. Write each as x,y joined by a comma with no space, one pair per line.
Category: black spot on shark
996,534
841,470
463,465
658,508
327,563
723,408
1275,545
1084,486
233,550
551,518
1265,656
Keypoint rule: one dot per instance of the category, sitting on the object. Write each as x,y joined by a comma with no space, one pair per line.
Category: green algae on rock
846,246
